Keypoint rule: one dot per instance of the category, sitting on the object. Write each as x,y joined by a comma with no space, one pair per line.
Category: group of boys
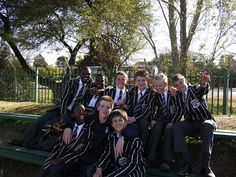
140,119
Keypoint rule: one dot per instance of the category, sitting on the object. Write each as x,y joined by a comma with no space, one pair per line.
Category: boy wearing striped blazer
197,119
65,157
119,93
74,90
130,163
167,112
140,105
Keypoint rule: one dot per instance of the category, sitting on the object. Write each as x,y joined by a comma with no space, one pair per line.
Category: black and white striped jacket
68,94
173,108
142,109
195,107
131,163
73,151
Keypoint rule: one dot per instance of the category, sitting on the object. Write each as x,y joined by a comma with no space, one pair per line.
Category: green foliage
39,61
62,61
16,86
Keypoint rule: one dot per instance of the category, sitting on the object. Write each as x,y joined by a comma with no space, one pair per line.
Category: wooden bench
219,133
37,157
18,116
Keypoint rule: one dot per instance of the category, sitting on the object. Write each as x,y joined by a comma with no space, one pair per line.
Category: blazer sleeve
66,94
106,155
179,109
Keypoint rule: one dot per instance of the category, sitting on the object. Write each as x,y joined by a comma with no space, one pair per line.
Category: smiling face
141,83
85,75
181,84
118,123
160,86
78,113
100,82
121,80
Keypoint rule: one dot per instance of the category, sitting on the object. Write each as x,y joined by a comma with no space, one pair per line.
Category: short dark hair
119,113
177,77
141,73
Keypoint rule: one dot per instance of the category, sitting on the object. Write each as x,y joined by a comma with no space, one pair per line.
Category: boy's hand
204,78
57,126
119,147
55,161
131,120
153,123
169,125
173,91
67,135
98,173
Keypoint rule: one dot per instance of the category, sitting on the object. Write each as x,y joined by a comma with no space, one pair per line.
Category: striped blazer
73,151
111,91
142,109
68,94
195,107
131,162
173,108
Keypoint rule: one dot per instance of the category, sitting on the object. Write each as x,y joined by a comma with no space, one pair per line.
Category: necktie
120,95
163,105
74,135
140,96
81,91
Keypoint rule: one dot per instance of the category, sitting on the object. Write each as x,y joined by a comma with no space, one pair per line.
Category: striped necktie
120,95
163,106
140,96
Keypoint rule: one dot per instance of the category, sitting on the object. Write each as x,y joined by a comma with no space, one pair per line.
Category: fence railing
46,86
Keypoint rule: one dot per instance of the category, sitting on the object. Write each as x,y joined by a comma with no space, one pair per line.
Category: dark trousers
33,132
157,133
143,126
70,169
181,129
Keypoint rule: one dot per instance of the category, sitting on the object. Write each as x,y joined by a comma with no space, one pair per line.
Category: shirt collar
143,92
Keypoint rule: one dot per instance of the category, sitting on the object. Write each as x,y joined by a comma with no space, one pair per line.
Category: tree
62,61
185,18
39,61
117,40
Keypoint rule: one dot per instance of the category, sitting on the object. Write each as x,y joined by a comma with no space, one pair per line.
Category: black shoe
207,172
16,142
165,166
185,171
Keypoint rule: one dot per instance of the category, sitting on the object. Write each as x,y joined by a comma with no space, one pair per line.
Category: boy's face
160,86
118,123
141,82
121,81
104,109
100,82
78,113
181,85
85,75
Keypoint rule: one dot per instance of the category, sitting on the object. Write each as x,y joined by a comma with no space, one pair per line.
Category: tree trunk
173,39
183,37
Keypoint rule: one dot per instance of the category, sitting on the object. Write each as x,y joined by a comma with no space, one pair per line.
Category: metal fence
45,87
